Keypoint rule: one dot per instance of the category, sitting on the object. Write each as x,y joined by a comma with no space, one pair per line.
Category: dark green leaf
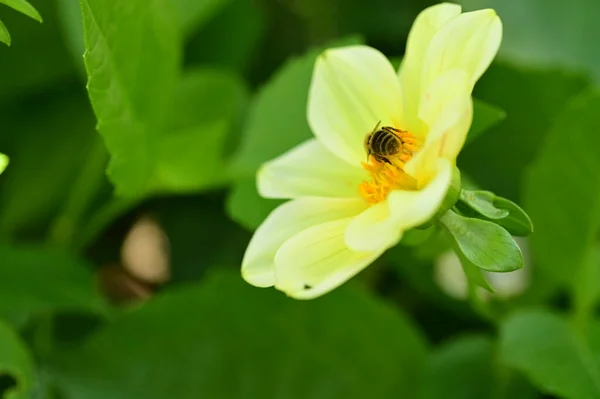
485,244
71,23
551,354
132,59
34,280
466,368
563,189
485,116
194,13
531,98
23,7
546,32
231,340
499,210
586,290
15,362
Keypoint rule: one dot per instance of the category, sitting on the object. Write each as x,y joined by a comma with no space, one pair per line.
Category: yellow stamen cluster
386,177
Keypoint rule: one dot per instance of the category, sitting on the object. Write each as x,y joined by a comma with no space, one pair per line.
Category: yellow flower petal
373,229
428,22
447,107
352,89
310,169
383,225
469,42
284,222
315,261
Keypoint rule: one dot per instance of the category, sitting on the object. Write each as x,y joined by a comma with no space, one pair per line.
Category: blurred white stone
145,252
448,274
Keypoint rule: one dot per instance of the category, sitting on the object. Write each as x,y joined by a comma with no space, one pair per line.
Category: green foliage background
184,101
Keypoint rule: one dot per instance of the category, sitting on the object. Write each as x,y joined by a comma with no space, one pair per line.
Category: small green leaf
4,34
556,358
132,60
23,7
485,116
16,362
34,280
4,160
485,244
474,275
231,340
499,210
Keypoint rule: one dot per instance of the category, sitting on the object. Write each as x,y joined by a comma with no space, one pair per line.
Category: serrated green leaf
485,116
499,210
16,362
563,190
23,7
132,60
4,34
557,359
485,244
231,340
35,280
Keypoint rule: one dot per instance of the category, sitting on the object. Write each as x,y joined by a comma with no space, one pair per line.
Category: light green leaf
485,116
474,275
35,280
466,368
16,362
497,209
485,244
190,156
586,290
71,24
132,60
4,160
23,7
231,340
4,34
545,32
556,359
563,189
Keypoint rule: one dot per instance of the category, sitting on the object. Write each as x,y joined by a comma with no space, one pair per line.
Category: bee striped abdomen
385,143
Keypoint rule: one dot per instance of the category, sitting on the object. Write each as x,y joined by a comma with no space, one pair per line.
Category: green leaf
586,290
543,33
231,340
499,210
71,24
466,368
556,359
35,280
23,7
190,156
563,189
475,276
132,60
485,116
531,98
16,362
485,244
4,34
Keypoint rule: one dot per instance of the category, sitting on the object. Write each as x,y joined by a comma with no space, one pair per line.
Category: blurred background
127,288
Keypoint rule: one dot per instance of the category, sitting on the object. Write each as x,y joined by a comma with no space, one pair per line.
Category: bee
383,143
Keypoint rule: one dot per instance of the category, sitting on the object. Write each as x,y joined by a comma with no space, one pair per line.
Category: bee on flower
383,157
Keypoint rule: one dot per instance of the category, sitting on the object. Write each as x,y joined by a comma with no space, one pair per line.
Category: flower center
388,149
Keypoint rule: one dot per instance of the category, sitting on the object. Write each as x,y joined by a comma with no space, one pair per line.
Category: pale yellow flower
3,162
346,208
